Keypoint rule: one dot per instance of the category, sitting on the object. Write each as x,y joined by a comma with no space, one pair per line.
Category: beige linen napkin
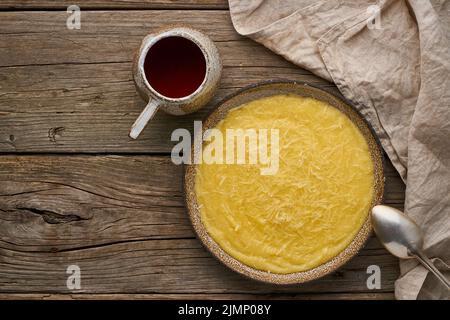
395,68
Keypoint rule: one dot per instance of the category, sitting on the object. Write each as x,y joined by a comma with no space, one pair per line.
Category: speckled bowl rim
269,88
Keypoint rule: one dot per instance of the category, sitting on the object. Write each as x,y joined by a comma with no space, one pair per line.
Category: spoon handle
430,266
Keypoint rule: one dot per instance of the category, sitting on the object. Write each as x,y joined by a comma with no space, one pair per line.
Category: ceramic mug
152,80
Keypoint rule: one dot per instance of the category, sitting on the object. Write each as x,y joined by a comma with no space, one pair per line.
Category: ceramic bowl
302,89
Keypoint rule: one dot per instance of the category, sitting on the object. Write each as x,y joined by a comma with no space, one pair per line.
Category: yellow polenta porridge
305,212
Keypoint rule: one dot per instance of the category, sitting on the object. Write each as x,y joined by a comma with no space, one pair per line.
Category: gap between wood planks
24,5
202,296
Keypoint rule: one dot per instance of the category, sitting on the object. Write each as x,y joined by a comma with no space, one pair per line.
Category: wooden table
75,190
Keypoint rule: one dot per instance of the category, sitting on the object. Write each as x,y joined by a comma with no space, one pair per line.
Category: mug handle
146,115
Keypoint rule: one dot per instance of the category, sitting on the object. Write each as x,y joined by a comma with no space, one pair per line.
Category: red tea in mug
175,67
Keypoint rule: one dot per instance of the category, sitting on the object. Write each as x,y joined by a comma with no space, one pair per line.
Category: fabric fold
391,60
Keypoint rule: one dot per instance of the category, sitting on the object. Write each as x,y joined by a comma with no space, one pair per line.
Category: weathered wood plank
117,4
224,296
29,38
85,100
166,266
122,220
54,203
90,108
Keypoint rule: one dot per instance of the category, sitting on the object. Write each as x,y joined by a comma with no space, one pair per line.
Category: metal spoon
402,237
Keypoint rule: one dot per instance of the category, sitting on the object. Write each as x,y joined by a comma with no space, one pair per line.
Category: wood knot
55,133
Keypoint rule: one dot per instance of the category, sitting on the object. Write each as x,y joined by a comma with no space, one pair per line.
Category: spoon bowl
402,237
399,234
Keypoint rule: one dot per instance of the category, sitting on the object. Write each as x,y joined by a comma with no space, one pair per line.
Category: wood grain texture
201,296
42,37
72,91
122,220
114,4
90,108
